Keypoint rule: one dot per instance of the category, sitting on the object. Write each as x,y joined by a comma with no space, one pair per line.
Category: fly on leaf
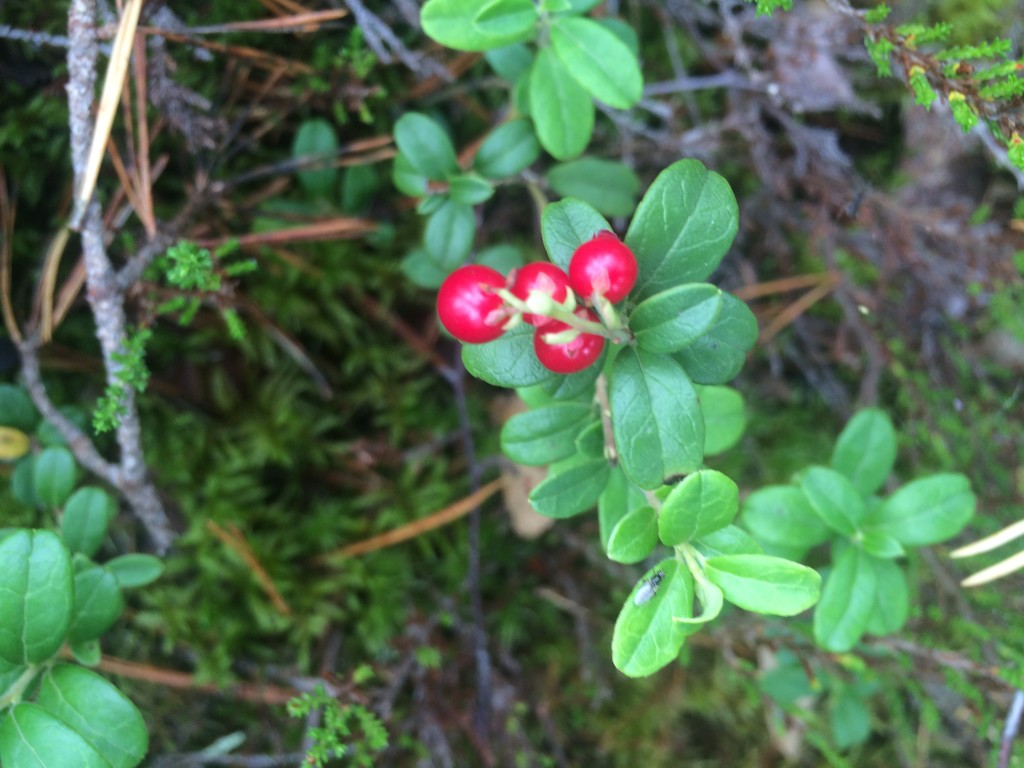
648,588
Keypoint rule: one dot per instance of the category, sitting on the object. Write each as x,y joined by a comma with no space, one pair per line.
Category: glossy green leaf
423,269
926,511
590,440
765,584
87,514
479,25
834,499
634,537
23,481
54,476
618,499
582,6
725,418
511,148
570,490
892,599
87,653
717,356
866,450
407,179
646,638
317,140
135,570
562,112
566,225
682,228
98,603
544,435
360,184
510,61
881,545
16,409
508,361
847,601
674,319
730,540
36,599
656,419
31,737
711,599
624,32
781,516
703,502
609,186
469,189
97,711
849,718
599,60
448,236
425,146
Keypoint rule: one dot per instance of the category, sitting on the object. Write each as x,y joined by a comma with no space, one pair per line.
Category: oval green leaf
634,537
570,490
96,710
765,584
730,540
781,516
674,319
510,61
717,356
470,189
926,511
566,225
316,143
682,228
656,419
544,435
509,149
87,514
711,599
866,450
16,409
703,502
448,236
54,476
30,737
892,599
609,186
36,601
508,361
834,499
422,270
562,111
425,146
599,61
98,603
847,601
135,570
725,418
618,499
407,179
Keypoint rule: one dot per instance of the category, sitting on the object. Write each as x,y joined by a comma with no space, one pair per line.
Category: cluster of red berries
477,304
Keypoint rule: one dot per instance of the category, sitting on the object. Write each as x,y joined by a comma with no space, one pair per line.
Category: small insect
648,588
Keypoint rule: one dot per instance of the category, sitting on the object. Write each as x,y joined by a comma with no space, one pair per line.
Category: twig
191,759
235,540
1011,728
386,45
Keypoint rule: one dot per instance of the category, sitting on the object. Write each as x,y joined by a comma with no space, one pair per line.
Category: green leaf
544,435
562,111
682,228
87,514
425,146
30,737
135,570
619,498
717,356
478,25
54,476
624,32
590,440
634,537
510,61
730,540
35,604
866,450
502,257
599,60
656,419
98,603
566,225
711,599
469,189
881,545
508,361
674,319
316,139
725,418
16,409
509,149
407,179
847,601
449,234
926,511
788,682
892,599
97,711
765,584
703,502
359,187
609,186
570,490
781,516
582,6
646,638
834,499
423,270
849,718
88,654
23,483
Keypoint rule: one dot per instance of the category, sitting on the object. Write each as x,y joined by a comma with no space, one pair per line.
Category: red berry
543,277
572,356
468,305
605,266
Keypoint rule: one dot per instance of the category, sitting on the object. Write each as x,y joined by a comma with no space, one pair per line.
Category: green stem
17,689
